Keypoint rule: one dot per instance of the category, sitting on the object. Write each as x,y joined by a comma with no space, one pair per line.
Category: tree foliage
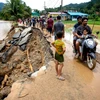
15,9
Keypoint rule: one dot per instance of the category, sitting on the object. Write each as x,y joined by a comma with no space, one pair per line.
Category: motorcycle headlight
90,42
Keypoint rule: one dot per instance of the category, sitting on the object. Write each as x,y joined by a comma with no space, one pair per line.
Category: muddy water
91,78
4,28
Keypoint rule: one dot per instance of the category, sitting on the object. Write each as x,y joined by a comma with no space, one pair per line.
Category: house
35,14
55,14
73,15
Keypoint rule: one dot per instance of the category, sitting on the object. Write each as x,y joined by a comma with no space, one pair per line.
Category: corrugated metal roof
77,13
58,13
35,14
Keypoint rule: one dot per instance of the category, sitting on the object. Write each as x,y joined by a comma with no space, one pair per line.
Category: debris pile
22,53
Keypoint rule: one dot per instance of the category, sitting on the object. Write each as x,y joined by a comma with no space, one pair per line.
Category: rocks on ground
16,64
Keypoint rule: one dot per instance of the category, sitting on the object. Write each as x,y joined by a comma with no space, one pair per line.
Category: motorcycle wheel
91,63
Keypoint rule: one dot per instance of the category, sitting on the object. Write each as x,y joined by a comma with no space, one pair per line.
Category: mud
98,57
18,65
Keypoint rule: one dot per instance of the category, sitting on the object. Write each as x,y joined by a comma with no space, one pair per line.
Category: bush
94,16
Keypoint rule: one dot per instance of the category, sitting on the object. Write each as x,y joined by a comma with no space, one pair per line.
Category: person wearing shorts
60,49
50,24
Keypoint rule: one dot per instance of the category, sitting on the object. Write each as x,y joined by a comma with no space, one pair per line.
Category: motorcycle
88,51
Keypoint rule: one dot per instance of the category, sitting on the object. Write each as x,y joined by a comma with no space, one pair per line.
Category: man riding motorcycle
79,22
79,32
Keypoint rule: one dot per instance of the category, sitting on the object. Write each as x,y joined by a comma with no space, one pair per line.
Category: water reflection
69,37
4,28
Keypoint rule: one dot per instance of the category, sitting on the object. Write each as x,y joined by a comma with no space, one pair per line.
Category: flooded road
4,28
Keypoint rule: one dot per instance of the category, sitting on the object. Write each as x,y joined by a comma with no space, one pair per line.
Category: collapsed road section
21,53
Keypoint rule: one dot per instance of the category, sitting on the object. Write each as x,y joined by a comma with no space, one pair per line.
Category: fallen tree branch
30,65
4,81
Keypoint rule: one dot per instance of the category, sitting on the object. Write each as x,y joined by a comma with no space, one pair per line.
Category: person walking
58,26
60,50
50,24
33,22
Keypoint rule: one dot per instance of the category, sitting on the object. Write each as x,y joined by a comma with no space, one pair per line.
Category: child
60,49
85,33
80,40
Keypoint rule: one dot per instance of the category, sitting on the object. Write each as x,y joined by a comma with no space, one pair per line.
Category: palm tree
15,9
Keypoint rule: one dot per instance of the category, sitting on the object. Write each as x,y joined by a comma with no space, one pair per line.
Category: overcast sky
39,4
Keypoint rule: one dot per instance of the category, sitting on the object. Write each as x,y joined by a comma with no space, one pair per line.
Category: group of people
80,32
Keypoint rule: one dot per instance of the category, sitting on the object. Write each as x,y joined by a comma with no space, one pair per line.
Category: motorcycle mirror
97,32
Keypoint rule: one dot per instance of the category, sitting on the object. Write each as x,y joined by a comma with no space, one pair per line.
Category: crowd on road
80,30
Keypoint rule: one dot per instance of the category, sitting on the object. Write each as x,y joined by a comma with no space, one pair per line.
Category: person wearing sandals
59,51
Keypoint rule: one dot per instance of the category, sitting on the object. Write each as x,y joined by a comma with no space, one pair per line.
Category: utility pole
44,9
61,7
44,5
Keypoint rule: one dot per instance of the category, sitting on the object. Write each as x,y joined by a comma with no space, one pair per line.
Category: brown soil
18,66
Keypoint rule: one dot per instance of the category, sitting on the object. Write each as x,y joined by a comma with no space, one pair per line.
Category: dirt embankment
19,64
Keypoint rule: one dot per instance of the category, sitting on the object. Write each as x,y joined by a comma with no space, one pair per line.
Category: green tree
15,9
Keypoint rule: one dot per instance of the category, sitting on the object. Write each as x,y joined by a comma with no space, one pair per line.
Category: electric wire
50,2
55,2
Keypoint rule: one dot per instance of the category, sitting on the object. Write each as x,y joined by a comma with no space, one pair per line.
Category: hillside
76,6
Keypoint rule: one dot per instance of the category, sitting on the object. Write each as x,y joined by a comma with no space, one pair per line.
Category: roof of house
77,13
58,13
35,14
